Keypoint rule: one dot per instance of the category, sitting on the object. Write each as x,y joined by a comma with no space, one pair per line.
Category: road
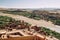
42,23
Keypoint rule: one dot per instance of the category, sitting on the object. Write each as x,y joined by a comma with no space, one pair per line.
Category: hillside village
11,29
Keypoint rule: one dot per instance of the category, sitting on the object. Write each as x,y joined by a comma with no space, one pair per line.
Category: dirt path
35,22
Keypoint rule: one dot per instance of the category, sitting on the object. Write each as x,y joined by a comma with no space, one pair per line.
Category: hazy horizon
30,3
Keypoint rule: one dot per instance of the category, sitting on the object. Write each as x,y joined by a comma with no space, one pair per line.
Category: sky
30,3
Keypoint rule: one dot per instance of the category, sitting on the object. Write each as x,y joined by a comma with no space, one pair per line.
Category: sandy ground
35,22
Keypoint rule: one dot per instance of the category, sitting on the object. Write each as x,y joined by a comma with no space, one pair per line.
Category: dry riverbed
43,23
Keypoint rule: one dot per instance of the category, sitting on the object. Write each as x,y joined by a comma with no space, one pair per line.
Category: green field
4,21
50,32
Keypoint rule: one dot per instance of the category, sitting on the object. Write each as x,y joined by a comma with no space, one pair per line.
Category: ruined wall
24,38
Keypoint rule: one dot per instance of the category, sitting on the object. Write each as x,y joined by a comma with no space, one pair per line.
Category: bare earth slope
35,22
